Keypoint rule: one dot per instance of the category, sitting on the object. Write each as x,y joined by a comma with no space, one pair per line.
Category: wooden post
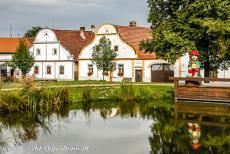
176,114
176,89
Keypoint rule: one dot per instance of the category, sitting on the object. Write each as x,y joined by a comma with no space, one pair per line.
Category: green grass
39,97
8,85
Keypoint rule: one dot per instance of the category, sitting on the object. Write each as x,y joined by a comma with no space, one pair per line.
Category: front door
138,75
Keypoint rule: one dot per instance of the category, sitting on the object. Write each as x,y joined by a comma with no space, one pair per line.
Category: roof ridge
70,30
132,27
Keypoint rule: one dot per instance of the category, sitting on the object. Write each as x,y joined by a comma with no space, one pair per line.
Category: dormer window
116,48
54,51
38,51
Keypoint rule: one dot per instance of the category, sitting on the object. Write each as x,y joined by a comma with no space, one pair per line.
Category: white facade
127,57
52,60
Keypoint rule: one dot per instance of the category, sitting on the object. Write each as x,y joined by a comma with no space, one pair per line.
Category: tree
22,59
103,56
182,25
32,32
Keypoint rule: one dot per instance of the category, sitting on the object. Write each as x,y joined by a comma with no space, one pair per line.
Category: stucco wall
46,42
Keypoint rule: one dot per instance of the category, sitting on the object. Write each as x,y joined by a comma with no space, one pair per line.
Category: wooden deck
218,90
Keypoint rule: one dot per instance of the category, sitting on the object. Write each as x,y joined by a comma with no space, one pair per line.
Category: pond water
119,127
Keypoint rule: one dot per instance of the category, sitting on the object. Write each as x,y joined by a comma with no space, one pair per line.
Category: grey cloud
69,14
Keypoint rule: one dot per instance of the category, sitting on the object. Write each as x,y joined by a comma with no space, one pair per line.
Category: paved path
97,85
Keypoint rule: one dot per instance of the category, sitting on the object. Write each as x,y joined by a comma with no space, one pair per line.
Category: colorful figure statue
194,65
194,133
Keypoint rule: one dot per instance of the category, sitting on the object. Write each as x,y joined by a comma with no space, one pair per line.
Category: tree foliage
182,25
22,59
33,31
103,55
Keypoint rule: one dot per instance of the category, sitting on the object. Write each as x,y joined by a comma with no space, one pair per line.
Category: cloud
69,14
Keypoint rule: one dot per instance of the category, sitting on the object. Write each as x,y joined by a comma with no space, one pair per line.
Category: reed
34,99
126,91
86,95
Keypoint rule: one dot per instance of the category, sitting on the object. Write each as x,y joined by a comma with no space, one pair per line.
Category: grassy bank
36,98
125,92
8,85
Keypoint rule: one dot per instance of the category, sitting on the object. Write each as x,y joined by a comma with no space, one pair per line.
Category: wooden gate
161,72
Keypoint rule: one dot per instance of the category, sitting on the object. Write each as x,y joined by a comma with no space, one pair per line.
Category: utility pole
53,23
10,30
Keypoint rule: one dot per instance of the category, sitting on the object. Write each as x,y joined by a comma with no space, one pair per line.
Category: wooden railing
201,92
199,79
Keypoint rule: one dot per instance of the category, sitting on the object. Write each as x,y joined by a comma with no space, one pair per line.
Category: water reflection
192,128
153,127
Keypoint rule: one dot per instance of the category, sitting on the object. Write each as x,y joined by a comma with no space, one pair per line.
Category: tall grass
33,98
126,91
86,95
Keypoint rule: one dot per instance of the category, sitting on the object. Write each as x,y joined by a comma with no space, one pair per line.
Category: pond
119,127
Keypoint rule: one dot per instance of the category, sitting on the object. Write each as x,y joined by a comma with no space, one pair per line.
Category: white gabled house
56,53
8,46
131,62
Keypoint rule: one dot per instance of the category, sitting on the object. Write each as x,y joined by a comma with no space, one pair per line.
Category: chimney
93,28
132,24
82,32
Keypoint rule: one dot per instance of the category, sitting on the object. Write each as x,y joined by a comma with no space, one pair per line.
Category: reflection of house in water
7,47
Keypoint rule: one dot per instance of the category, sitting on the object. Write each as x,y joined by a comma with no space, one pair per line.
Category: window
61,70
115,48
36,70
90,69
54,51
120,69
38,51
48,70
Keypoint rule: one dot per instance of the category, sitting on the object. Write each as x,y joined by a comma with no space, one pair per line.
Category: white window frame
47,70
38,70
90,66
121,66
60,70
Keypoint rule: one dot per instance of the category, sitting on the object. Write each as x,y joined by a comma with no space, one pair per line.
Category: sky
68,14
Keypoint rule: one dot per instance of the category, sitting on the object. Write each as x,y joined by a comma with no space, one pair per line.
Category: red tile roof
72,40
133,36
9,45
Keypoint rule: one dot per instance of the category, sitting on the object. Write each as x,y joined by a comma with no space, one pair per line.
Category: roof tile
133,36
9,45
72,40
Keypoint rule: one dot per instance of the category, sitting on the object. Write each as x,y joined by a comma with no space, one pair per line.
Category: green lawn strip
14,85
